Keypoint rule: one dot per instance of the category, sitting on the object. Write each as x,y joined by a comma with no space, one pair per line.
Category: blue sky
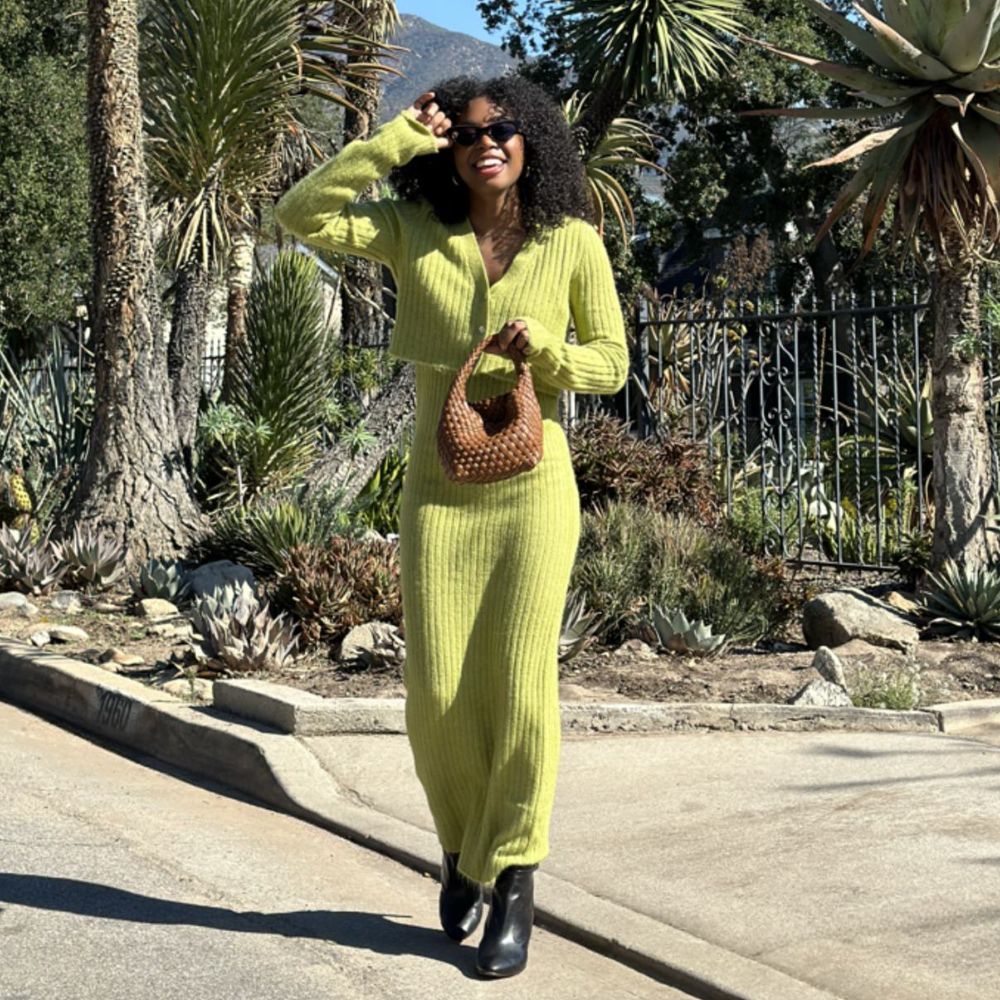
456,15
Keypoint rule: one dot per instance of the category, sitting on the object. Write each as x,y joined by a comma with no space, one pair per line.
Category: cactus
677,635
239,633
18,506
91,560
578,627
166,579
30,566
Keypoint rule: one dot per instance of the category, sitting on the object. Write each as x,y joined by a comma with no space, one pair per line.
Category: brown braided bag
493,438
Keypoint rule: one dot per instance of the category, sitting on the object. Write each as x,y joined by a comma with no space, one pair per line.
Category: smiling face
487,168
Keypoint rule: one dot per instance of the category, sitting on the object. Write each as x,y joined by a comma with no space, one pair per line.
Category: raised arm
599,362
321,209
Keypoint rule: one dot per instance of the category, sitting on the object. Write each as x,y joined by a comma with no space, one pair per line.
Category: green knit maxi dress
484,568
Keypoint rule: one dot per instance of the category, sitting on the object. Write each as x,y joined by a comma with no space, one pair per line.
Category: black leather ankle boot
503,950
461,902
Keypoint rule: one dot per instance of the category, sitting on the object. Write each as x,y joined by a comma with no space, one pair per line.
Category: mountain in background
435,54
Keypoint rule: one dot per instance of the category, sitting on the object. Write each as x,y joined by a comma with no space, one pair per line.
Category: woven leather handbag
494,438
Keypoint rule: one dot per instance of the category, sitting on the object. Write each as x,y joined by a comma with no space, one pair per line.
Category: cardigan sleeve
321,210
599,362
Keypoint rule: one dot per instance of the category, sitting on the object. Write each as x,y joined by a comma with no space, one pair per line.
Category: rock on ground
828,666
822,692
67,633
156,607
67,601
373,641
842,615
215,575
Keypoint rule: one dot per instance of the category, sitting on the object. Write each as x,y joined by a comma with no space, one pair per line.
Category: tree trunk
361,290
387,418
186,354
134,486
239,277
961,477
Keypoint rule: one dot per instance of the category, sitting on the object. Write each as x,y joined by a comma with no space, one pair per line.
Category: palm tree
621,146
362,285
644,51
133,486
221,78
934,153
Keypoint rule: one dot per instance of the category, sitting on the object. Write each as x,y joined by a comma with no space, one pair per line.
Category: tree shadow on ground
376,932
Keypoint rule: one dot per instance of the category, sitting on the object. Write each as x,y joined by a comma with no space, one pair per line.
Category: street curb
955,716
277,769
305,714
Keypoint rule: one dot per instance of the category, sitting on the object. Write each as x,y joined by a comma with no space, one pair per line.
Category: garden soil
633,672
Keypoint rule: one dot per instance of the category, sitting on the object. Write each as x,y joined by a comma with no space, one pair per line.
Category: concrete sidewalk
864,864
730,865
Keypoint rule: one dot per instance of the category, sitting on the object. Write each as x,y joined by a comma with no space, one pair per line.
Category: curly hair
553,183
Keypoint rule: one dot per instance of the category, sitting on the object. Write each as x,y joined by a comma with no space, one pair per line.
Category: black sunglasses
501,131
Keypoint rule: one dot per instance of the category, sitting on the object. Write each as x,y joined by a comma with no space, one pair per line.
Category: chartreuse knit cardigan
484,568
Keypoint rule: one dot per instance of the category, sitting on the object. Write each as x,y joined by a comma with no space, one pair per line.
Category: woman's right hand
428,113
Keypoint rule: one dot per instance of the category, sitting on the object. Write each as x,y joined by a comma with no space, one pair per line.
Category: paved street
120,879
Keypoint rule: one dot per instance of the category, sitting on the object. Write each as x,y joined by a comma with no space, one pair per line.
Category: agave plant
933,94
166,579
91,560
578,626
964,602
33,567
239,633
677,635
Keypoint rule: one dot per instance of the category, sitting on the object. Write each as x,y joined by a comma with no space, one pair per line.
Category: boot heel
503,950
460,905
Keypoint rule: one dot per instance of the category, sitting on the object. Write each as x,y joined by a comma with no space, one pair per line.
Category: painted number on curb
113,709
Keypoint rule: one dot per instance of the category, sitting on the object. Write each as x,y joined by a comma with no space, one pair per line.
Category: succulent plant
964,603
31,566
239,633
345,582
578,626
91,560
932,96
677,635
166,579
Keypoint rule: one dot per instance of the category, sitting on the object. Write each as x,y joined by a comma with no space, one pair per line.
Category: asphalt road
121,878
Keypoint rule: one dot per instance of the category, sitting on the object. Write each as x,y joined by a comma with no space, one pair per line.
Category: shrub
898,688
631,558
377,505
258,535
670,475
331,588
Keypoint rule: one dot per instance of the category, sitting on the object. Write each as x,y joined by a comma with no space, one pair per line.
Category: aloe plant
964,602
166,579
239,632
578,626
92,560
678,635
33,567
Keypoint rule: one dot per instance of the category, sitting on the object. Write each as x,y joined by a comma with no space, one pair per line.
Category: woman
491,237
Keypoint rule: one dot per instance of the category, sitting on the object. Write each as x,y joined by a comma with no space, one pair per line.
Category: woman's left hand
511,340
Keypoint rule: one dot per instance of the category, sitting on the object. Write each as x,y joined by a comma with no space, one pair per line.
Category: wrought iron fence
816,420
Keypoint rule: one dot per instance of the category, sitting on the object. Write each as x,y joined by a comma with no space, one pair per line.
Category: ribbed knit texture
484,568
